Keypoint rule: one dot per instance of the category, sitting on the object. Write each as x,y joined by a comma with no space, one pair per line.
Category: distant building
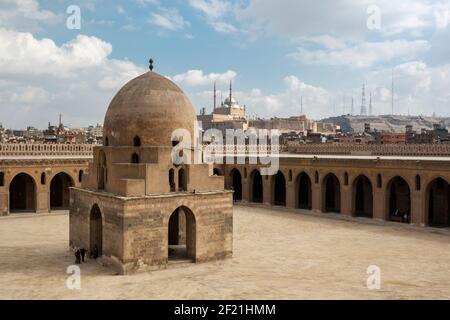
393,138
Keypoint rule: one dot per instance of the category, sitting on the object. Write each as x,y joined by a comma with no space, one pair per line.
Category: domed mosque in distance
136,209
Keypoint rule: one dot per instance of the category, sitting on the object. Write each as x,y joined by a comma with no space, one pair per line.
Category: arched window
182,185
80,176
379,181
137,141
172,180
2,179
346,179
43,178
102,171
245,173
418,183
106,142
290,175
135,158
316,177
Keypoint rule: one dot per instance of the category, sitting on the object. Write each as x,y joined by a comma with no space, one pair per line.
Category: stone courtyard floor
278,254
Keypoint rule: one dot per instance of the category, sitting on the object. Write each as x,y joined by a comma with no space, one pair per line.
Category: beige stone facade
383,188
137,207
38,185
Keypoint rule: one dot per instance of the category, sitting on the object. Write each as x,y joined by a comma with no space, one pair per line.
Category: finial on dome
151,64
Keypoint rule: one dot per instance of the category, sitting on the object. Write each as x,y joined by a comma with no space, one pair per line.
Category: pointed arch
362,197
331,194
22,193
303,191
59,191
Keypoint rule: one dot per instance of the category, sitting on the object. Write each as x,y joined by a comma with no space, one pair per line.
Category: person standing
77,256
83,254
95,252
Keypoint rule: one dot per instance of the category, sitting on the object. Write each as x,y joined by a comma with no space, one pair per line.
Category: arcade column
418,207
379,203
267,190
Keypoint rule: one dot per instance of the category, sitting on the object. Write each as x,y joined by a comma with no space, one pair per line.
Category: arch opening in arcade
181,235
59,191
363,197
279,189
236,185
22,194
398,200
438,198
331,191
256,187
304,192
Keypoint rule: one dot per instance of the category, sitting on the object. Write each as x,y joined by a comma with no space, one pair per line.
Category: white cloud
198,78
25,15
347,19
316,100
215,12
213,9
144,3
41,79
22,53
419,88
361,55
168,19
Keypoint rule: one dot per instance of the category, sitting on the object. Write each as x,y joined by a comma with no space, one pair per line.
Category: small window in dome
135,158
137,141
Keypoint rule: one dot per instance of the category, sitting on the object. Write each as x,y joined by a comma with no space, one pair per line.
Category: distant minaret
370,104
363,101
392,92
301,105
231,92
215,96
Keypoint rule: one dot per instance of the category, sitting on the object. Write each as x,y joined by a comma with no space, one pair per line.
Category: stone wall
135,230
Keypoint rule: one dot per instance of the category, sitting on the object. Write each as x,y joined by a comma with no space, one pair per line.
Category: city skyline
280,61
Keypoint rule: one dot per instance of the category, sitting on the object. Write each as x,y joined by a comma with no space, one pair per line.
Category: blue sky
275,52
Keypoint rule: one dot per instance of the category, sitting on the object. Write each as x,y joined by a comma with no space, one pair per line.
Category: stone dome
150,107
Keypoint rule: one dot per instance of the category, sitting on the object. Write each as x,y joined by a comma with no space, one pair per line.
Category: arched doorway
256,187
95,231
182,235
279,189
398,200
22,194
304,194
236,184
362,197
331,194
438,196
59,191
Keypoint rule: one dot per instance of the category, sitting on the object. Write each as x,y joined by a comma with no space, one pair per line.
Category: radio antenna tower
392,91
352,111
370,104
301,105
363,101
